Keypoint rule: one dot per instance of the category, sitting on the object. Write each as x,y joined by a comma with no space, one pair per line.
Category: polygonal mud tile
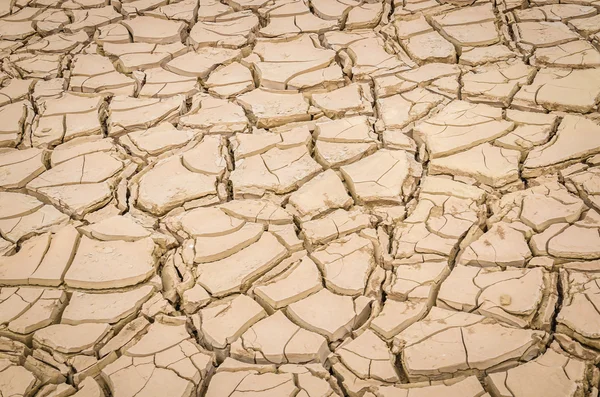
519,297
128,114
234,377
23,215
277,340
465,339
387,176
202,62
230,80
344,141
496,83
67,116
568,376
346,264
333,316
573,90
398,111
154,30
165,360
82,184
160,83
95,73
578,314
91,19
273,170
489,165
215,116
173,180
323,193
576,138
422,43
459,126
232,30
469,27
271,109
435,76
26,310
141,56
18,167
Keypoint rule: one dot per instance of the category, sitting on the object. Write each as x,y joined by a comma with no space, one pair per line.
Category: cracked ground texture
299,198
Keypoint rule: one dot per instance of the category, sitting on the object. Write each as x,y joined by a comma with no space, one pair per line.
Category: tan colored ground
311,198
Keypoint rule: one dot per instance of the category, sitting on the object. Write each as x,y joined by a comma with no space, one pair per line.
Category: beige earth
299,198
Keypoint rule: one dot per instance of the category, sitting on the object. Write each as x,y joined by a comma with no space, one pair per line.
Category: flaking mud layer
303,198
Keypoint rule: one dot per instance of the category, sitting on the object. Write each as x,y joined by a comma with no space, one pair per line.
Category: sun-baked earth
299,198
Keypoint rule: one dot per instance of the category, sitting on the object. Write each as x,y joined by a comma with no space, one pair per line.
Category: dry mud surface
309,198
